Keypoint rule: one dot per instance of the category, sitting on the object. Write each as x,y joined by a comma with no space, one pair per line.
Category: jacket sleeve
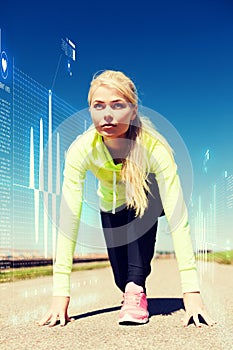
70,214
176,213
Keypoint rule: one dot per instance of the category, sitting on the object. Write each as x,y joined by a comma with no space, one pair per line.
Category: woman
138,182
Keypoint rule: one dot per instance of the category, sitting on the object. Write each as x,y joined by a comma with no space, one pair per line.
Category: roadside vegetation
225,257
13,275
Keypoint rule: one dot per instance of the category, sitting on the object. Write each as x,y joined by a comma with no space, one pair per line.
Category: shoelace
132,298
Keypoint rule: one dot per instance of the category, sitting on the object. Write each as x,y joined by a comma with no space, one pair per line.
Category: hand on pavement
193,307
58,310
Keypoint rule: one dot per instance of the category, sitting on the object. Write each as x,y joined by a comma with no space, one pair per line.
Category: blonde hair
135,170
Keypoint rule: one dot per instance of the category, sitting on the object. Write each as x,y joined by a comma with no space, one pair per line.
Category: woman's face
111,112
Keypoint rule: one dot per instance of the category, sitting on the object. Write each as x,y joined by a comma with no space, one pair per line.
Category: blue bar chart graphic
32,160
40,189
37,174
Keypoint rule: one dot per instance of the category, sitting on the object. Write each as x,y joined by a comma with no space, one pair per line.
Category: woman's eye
118,105
98,106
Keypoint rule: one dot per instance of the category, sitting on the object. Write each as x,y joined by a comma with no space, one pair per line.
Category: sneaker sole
128,319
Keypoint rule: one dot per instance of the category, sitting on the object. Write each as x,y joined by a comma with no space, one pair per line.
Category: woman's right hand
58,309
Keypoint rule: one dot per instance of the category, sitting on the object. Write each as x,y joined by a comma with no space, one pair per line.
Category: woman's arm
175,209
69,219
70,213
177,215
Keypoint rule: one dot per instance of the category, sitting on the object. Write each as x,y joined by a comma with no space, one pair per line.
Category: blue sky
179,54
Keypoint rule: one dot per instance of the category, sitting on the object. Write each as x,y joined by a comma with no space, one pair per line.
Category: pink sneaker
134,308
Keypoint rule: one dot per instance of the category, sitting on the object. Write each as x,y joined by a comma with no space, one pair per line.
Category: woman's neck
118,148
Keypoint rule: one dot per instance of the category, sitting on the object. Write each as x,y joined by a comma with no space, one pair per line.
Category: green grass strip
13,275
225,257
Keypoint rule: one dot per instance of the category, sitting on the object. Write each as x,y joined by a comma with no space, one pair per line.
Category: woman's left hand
193,307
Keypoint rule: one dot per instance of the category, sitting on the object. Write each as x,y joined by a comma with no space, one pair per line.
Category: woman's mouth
108,126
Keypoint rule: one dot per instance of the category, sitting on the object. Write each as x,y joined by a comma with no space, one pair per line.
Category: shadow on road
164,306
156,306
96,312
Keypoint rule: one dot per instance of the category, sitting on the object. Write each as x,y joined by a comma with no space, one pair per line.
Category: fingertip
62,322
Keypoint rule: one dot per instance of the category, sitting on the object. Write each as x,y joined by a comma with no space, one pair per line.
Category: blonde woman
138,182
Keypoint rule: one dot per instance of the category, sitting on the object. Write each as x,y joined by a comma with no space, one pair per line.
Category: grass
13,275
225,257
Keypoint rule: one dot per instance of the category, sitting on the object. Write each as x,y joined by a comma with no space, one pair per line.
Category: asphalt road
95,304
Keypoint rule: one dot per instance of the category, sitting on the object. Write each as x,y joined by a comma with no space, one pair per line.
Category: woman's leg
140,253
131,240
113,227
142,236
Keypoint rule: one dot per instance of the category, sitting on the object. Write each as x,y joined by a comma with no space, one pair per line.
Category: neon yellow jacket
88,152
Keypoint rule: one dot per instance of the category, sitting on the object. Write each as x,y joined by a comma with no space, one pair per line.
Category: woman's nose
108,113
108,118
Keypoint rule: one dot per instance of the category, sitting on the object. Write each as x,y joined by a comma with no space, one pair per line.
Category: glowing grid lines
35,201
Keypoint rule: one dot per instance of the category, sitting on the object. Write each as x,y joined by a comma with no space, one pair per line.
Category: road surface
95,304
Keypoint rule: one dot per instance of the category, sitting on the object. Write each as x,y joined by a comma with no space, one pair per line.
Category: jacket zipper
114,194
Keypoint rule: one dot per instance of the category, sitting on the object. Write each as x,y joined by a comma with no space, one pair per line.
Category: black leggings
131,240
